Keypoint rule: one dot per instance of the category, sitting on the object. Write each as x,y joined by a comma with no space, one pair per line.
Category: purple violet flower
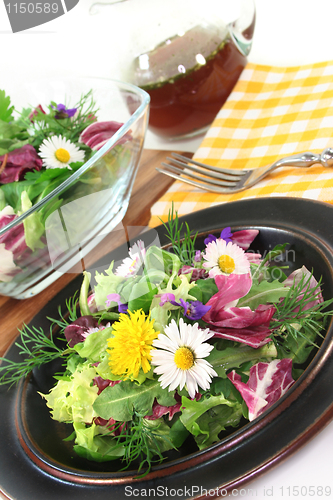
63,112
192,310
210,238
166,297
197,257
225,235
115,297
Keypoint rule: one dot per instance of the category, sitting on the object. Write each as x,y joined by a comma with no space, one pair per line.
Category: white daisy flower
59,152
131,265
225,258
178,357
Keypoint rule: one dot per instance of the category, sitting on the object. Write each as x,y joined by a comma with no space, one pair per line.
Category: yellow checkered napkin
272,113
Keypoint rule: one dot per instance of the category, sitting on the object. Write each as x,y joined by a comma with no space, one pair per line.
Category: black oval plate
36,463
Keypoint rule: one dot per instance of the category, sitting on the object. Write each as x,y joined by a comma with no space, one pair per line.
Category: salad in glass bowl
67,167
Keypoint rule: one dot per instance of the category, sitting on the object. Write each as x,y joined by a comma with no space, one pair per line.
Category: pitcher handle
242,29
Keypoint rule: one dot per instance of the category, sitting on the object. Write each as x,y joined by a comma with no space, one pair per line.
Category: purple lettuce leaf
197,274
244,238
239,324
266,384
35,112
78,330
103,383
231,289
243,317
160,410
253,336
13,239
18,163
310,283
97,134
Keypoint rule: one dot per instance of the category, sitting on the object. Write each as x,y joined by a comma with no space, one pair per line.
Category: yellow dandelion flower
131,344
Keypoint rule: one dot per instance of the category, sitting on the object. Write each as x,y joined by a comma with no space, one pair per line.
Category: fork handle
306,159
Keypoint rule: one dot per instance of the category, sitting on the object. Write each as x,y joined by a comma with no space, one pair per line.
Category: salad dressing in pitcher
187,55
188,78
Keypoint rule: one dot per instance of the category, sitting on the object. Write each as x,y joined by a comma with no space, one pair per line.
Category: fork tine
206,180
200,185
205,171
208,167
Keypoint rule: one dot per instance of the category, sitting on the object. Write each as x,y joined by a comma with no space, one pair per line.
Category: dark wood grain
148,188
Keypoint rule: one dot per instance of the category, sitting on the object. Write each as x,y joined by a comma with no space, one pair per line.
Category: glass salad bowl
68,161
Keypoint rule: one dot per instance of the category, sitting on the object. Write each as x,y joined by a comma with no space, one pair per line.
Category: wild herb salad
176,345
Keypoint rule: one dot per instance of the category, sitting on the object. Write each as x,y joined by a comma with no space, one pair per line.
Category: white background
288,32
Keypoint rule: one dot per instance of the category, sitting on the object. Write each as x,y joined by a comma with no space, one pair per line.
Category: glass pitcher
187,54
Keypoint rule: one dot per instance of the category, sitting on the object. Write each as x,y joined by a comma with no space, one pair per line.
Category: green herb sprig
183,244
296,319
46,125
142,443
37,348
70,315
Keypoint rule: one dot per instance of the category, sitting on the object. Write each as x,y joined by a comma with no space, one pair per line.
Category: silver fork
223,180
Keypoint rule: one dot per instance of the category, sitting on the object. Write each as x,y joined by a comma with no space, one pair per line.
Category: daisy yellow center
184,358
131,344
132,266
226,264
62,155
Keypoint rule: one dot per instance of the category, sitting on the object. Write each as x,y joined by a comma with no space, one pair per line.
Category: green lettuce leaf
122,400
92,445
141,296
234,357
161,435
263,293
33,227
72,400
12,193
178,432
206,418
204,290
158,259
106,284
209,425
95,345
6,110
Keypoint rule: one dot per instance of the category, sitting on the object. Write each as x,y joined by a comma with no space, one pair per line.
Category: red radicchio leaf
231,288
266,384
111,424
196,273
13,239
77,331
240,324
253,257
254,336
19,162
34,112
103,383
243,317
97,134
160,410
244,238
309,282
